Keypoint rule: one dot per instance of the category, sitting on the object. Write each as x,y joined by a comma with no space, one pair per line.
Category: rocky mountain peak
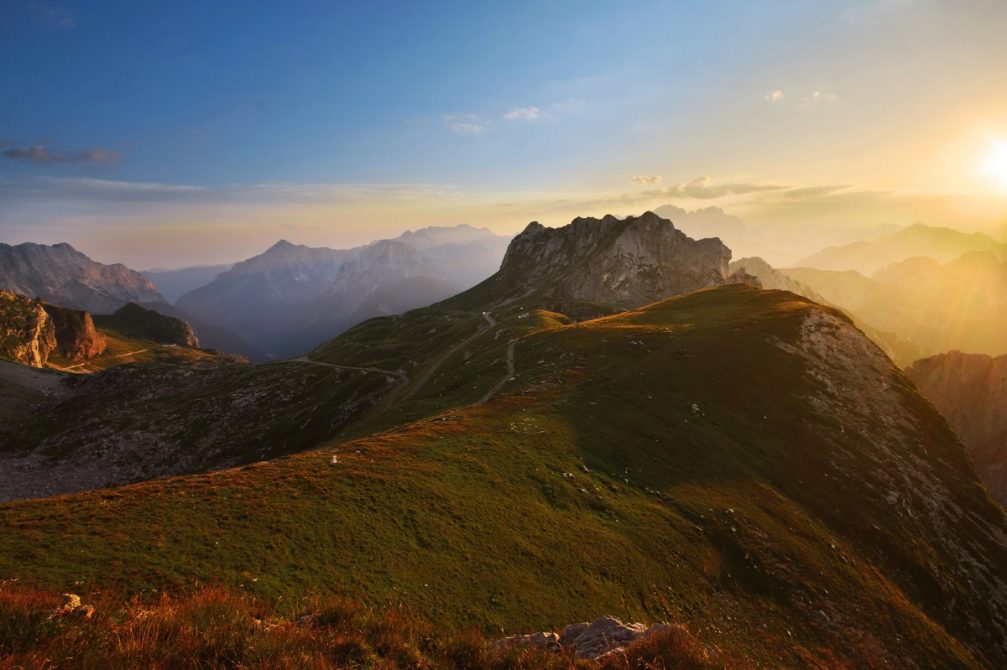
610,261
62,275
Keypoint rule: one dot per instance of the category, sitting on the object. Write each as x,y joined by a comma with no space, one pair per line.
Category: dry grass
213,628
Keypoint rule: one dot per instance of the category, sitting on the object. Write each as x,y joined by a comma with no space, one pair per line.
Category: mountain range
610,423
868,256
292,297
61,275
936,307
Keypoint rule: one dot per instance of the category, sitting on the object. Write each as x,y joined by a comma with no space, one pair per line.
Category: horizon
206,134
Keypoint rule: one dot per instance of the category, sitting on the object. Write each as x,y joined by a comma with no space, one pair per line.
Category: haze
173,134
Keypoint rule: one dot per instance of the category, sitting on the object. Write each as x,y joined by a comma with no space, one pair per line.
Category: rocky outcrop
32,331
622,263
61,275
595,640
146,324
77,339
970,390
28,334
771,278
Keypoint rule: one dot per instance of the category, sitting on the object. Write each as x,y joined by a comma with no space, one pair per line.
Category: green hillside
689,461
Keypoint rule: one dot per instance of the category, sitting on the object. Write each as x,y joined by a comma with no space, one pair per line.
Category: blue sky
198,121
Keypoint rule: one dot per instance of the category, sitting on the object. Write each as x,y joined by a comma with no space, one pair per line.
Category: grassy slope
735,522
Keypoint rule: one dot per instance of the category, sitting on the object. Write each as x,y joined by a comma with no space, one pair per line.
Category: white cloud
523,114
821,96
643,179
464,124
773,96
466,128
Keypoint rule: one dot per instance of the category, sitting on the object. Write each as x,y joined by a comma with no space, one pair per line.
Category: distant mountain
958,305
61,275
608,262
897,348
940,244
970,390
292,297
174,283
137,322
209,335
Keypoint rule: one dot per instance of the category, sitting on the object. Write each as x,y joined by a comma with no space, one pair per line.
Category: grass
215,628
589,486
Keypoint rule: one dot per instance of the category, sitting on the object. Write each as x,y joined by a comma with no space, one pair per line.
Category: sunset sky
179,133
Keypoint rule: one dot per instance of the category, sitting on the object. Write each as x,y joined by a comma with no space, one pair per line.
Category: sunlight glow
995,165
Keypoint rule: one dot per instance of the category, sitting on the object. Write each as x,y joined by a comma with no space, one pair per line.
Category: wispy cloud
464,124
704,188
467,128
813,191
820,96
39,153
647,180
774,96
523,114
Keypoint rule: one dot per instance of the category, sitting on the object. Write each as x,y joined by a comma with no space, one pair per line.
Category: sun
995,165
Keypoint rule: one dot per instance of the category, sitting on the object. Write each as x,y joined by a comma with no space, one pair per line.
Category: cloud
641,179
523,114
704,188
464,124
813,191
773,96
466,128
39,153
820,96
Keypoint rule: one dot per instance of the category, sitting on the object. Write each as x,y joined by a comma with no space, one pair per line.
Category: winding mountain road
401,376
507,377
490,323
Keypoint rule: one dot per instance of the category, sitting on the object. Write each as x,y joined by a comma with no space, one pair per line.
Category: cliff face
29,335
61,275
76,337
33,330
970,390
622,263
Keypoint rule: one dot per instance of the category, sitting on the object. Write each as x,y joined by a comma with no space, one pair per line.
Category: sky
181,133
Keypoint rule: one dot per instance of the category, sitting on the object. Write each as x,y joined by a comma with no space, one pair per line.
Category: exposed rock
33,330
544,640
970,390
72,606
28,334
61,275
603,636
740,276
623,263
76,337
771,278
